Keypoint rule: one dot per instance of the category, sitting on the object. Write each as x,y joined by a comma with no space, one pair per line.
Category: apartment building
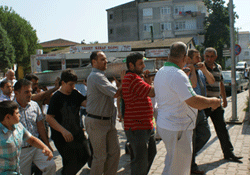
244,42
157,19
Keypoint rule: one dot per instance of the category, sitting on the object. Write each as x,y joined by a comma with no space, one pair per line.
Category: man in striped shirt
217,116
138,124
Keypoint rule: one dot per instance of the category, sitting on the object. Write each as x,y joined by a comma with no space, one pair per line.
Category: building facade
157,19
244,42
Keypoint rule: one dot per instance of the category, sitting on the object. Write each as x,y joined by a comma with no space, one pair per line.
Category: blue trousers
201,135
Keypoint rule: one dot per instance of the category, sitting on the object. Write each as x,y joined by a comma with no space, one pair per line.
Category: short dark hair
68,75
191,52
4,82
210,49
178,49
31,76
133,57
7,107
93,56
20,83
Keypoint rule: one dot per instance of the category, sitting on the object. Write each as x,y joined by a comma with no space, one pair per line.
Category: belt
98,117
27,146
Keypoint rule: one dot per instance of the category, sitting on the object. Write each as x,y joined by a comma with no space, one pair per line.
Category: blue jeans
201,135
144,149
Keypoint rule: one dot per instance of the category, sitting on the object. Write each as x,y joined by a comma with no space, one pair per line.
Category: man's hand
224,104
215,103
47,152
147,78
123,73
191,67
84,82
201,66
120,117
57,82
67,136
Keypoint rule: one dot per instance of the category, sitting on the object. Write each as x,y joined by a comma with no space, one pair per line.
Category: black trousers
217,117
74,154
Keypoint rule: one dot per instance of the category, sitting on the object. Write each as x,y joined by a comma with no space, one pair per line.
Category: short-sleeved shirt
29,116
10,148
100,94
83,90
213,90
172,88
65,109
138,106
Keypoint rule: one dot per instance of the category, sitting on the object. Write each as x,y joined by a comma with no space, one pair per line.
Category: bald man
10,75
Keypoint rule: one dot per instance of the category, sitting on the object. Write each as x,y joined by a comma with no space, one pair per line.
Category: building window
178,9
111,16
166,26
165,10
147,27
147,12
110,31
246,53
180,25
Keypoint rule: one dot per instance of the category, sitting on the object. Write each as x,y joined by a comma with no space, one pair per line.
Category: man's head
34,79
23,91
6,87
98,60
68,80
178,52
9,112
193,56
135,63
10,75
210,55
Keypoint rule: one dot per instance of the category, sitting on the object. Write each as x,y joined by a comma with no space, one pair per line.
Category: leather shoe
233,158
197,172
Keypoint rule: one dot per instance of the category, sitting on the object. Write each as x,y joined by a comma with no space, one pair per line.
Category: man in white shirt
177,110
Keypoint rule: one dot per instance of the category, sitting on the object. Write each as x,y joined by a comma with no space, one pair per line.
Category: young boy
63,117
12,134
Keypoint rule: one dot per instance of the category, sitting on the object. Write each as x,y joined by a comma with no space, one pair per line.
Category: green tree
22,35
217,31
7,52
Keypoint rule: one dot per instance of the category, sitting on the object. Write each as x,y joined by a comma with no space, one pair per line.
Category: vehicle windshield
240,64
227,75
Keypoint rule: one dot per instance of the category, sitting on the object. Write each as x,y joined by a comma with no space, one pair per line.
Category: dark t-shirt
66,108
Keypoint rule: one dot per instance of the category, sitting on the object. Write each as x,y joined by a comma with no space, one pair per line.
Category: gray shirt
100,94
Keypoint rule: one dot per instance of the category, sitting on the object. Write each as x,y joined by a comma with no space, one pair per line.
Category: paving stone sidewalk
210,158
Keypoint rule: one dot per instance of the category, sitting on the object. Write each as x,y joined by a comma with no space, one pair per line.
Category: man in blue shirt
12,135
7,90
198,76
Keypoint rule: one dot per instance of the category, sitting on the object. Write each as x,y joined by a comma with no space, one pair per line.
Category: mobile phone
186,70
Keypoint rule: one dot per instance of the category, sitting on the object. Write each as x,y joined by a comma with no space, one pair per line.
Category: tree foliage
21,34
217,27
7,53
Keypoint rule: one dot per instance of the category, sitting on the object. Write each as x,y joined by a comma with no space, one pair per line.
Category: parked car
241,66
241,82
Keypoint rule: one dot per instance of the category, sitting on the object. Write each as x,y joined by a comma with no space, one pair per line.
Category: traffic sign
237,49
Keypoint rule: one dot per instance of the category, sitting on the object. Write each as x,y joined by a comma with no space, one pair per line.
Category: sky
78,20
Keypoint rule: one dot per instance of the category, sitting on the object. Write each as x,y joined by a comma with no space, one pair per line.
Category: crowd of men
186,90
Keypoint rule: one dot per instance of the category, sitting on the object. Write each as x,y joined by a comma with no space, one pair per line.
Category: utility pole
233,73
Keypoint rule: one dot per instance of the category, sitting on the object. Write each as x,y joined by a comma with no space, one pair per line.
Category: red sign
237,49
